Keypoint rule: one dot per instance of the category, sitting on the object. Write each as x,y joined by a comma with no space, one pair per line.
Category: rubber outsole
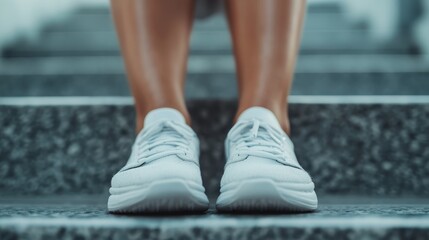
173,195
266,195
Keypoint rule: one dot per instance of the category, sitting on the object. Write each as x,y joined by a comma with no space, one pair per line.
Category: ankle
141,114
280,112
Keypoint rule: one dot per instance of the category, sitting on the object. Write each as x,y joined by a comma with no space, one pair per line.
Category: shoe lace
164,139
259,139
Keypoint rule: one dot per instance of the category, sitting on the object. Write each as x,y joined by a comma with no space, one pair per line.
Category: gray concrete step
85,217
369,145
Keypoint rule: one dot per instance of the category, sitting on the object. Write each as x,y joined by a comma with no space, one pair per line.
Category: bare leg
154,38
266,36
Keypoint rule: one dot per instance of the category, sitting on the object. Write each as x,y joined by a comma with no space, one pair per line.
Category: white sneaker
162,173
262,172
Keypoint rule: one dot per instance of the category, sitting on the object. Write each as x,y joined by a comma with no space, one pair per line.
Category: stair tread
321,63
363,218
215,77
350,145
333,211
200,40
81,21
217,85
81,43
377,144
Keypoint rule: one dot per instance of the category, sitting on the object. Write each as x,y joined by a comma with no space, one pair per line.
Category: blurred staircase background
360,110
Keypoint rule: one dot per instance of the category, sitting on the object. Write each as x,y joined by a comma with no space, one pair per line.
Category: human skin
154,37
266,38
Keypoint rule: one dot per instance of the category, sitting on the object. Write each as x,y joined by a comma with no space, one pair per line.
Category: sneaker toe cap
169,168
263,168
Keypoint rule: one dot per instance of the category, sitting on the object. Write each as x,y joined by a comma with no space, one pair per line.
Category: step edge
211,221
294,99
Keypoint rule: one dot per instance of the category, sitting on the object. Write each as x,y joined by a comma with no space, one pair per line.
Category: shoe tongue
261,114
163,114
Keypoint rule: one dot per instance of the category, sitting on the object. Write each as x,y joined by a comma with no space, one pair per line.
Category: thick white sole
172,195
266,195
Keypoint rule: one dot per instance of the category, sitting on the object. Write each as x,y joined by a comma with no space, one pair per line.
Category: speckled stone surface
99,19
368,149
215,85
327,32
358,220
210,42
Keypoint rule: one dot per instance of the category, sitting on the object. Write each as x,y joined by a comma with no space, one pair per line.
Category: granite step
214,77
82,20
370,145
327,7
217,85
85,217
366,153
320,63
99,18
91,33
202,42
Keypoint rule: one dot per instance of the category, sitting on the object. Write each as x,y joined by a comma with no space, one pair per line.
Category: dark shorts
206,8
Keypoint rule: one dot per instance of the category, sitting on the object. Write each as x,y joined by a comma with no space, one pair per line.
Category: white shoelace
164,139
259,139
